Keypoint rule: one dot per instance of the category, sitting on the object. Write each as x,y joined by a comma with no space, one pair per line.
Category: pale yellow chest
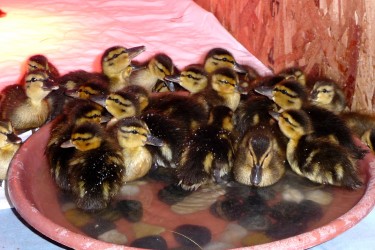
137,161
30,115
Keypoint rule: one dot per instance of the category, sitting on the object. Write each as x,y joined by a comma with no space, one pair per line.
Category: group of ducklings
212,122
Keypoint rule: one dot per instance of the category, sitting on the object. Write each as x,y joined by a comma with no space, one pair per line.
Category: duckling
329,95
141,93
222,90
96,169
318,159
88,89
294,73
9,144
75,113
259,160
158,67
133,135
41,62
290,94
25,105
221,58
208,152
193,78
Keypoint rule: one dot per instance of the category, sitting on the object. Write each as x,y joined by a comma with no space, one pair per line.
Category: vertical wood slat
333,38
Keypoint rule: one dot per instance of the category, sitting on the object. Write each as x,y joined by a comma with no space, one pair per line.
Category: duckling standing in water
157,68
25,106
208,152
290,94
9,144
96,169
133,135
318,159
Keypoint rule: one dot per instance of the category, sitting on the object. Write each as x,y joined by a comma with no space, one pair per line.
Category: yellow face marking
219,61
290,127
193,82
228,124
285,98
132,136
324,95
116,62
159,70
120,107
85,92
86,141
224,84
207,163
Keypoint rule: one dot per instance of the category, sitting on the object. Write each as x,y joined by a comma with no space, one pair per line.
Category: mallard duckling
96,169
329,95
193,78
259,160
158,67
117,67
318,159
88,89
9,144
25,106
221,58
133,135
76,113
208,152
290,94
141,93
223,89
294,73
40,62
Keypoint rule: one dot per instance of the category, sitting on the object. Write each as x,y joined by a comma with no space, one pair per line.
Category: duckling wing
12,97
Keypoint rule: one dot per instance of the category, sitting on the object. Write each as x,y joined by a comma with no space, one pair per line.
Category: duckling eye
32,66
33,79
134,132
224,81
325,91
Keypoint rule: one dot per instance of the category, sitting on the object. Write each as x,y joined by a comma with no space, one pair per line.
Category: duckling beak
50,84
12,138
264,90
105,118
71,92
241,90
152,140
256,175
239,69
173,78
275,115
135,51
170,86
98,99
137,67
67,144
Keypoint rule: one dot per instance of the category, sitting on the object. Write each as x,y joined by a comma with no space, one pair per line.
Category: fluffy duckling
88,89
192,78
315,158
141,93
221,58
294,73
25,105
223,89
133,135
329,95
290,94
259,160
76,113
96,169
40,62
208,153
157,68
9,144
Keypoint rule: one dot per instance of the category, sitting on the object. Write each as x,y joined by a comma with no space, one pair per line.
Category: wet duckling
290,94
133,135
9,144
192,78
208,152
157,68
259,160
223,89
76,113
96,169
221,58
117,67
329,95
318,159
25,105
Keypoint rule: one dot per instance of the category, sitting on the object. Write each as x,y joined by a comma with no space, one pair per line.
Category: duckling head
7,135
87,112
122,104
38,84
287,94
140,92
193,78
37,62
116,60
293,123
224,80
133,132
87,90
85,137
221,58
328,94
160,66
294,73
221,116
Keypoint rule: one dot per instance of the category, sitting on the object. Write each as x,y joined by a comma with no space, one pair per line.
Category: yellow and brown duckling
259,160
294,73
192,78
133,137
208,152
218,58
75,113
25,105
117,66
329,95
318,159
156,69
41,62
290,94
96,169
141,93
9,144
